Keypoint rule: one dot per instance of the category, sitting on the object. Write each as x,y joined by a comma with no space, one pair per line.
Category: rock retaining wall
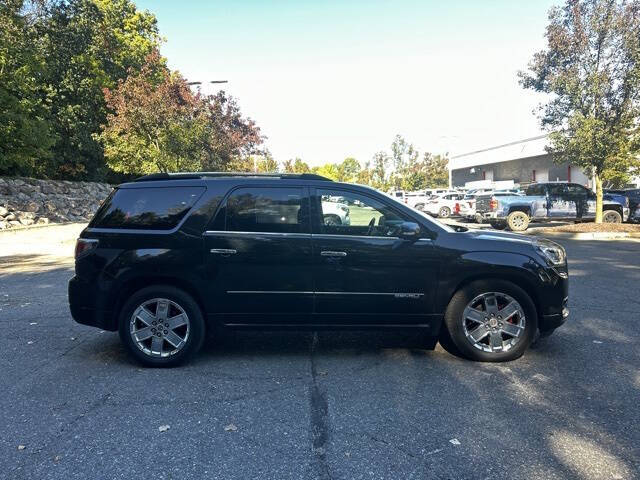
29,201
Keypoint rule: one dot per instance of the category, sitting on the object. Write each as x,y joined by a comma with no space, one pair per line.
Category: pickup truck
549,201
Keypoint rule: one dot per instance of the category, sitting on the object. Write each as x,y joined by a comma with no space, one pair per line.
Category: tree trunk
598,198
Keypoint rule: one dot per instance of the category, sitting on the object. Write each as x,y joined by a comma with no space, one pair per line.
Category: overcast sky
330,79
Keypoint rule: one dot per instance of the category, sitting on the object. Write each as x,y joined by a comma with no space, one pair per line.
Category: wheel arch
137,283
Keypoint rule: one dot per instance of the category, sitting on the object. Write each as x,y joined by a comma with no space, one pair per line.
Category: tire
444,212
611,216
512,346
190,330
479,218
518,221
499,225
332,220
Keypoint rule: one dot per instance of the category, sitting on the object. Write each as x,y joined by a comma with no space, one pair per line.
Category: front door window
347,213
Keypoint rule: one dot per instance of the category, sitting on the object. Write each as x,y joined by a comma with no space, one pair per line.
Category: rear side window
276,210
149,208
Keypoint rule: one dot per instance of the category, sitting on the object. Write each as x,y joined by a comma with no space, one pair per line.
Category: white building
524,162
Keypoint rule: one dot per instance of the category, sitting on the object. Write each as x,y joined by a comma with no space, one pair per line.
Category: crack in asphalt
319,416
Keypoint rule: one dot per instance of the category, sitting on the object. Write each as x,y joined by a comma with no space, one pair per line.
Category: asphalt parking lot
327,405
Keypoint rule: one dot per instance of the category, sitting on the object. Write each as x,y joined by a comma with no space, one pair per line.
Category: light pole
210,81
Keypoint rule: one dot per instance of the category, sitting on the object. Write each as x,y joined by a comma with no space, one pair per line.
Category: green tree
89,45
404,159
348,170
591,68
296,166
436,168
25,125
380,171
329,170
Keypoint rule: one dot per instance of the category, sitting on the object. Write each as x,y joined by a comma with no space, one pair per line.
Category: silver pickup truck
549,201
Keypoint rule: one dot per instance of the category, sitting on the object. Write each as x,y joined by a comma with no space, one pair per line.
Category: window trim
222,210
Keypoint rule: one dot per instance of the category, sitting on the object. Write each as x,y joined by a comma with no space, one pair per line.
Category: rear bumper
86,307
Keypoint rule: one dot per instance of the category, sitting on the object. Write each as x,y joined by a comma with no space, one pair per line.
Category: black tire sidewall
455,309
197,328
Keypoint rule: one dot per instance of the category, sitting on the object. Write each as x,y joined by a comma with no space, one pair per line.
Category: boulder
3,211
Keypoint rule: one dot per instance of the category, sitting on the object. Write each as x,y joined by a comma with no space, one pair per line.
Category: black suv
168,258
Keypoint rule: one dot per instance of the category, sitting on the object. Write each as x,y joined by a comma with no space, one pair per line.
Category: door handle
329,253
224,251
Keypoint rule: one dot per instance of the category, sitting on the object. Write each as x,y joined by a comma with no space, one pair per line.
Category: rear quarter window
149,208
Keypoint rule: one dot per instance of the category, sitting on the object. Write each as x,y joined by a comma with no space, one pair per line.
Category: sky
326,80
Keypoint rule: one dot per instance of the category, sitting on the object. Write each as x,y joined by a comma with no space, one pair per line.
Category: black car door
258,256
364,273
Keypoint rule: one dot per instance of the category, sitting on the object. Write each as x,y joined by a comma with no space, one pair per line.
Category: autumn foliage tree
591,69
158,124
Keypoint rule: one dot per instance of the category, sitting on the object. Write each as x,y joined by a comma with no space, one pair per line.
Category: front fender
518,268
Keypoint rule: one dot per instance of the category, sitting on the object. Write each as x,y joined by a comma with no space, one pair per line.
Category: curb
586,235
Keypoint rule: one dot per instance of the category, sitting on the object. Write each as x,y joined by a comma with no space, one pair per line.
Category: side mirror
409,230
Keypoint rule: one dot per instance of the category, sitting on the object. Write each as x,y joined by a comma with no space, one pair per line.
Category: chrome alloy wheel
493,322
159,327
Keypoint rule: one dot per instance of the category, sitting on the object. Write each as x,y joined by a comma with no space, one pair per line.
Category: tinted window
536,190
347,213
151,208
577,191
278,210
557,189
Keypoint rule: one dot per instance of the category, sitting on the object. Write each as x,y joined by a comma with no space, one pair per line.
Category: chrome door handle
223,251
329,253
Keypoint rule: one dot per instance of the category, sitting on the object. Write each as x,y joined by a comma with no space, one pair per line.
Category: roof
205,175
529,147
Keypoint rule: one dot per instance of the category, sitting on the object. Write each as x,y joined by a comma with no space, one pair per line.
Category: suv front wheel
491,321
161,326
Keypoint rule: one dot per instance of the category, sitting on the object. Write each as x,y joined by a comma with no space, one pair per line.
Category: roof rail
196,175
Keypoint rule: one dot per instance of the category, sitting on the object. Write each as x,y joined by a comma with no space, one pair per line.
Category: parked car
633,194
549,201
170,257
443,206
467,206
416,199
335,213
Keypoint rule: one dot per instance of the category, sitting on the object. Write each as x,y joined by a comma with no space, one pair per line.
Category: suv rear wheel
518,221
491,321
161,326
445,212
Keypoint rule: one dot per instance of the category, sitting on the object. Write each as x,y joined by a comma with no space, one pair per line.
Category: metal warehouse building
524,162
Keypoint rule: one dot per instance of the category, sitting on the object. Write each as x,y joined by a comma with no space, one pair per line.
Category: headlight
551,251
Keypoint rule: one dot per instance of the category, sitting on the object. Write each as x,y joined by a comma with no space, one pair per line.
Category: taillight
456,209
493,204
83,245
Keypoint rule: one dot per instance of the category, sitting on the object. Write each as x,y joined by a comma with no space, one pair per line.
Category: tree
436,169
159,125
591,68
379,171
329,170
25,125
348,170
404,159
296,166
154,127
230,135
89,45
